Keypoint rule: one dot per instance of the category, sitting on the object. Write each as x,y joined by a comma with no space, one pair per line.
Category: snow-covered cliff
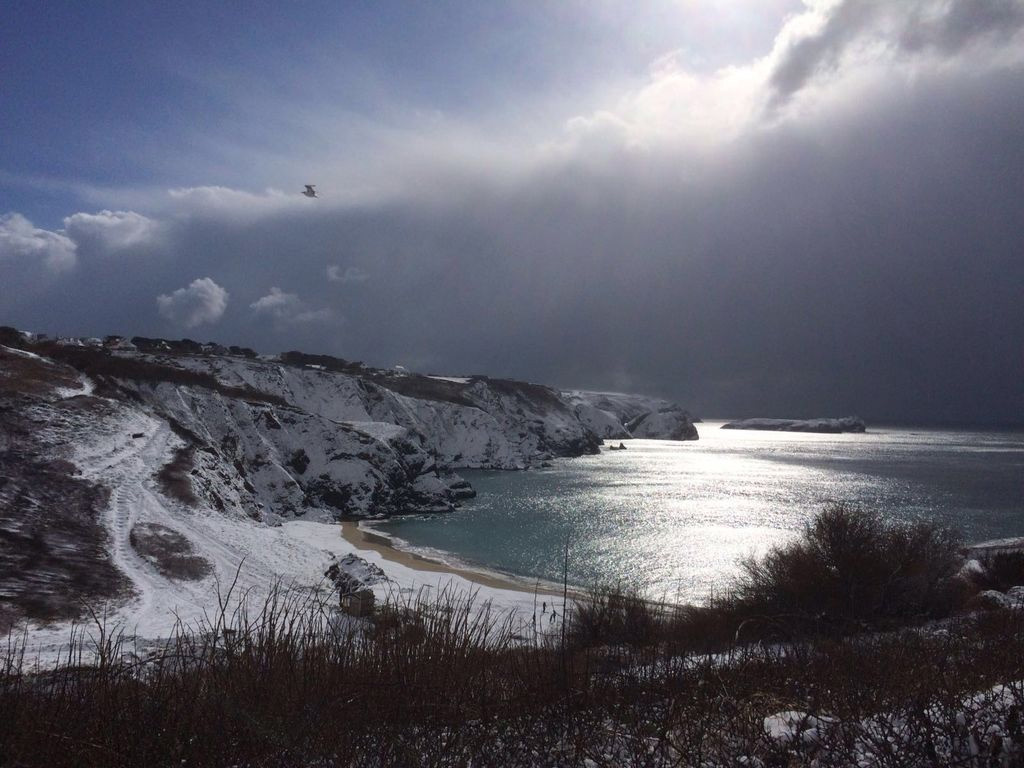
145,472
614,415
288,462
474,422
296,435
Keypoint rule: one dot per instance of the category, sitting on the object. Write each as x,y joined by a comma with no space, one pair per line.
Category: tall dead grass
445,681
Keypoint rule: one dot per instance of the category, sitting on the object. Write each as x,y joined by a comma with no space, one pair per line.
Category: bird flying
310,190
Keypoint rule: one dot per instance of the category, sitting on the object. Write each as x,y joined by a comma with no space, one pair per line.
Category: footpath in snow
248,558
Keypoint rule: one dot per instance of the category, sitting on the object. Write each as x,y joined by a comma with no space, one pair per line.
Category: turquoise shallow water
675,517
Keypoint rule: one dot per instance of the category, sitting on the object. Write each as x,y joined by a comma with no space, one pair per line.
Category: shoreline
363,539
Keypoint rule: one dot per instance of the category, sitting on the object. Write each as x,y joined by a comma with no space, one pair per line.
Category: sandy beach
367,540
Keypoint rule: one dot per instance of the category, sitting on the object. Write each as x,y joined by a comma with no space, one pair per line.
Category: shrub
99,363
850,568
615,615
848,571
439,682
175,476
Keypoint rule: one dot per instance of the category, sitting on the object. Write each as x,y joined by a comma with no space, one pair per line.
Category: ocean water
675,518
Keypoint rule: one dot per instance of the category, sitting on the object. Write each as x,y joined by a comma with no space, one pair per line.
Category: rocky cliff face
298,435
614,415
279,460
272,438
474,422
136,471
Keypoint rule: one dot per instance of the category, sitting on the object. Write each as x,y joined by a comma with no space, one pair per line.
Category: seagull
310,190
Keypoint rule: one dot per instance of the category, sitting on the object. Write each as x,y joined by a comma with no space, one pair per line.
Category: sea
675,518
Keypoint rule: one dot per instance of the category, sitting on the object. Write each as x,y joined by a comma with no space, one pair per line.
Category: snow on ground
453,379
295,554
85,388
23,353
125,454
985,733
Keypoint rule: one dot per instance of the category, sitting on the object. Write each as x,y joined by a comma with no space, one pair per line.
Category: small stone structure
358,603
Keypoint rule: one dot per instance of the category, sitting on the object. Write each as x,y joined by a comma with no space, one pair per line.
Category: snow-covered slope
845,424
280,438
142,488
477,422
288,462
616,415
55,552
270,438
146,473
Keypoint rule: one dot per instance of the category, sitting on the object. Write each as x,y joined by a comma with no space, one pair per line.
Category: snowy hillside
146,472
475,422
614,415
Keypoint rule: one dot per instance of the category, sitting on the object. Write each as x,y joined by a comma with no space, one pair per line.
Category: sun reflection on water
676,517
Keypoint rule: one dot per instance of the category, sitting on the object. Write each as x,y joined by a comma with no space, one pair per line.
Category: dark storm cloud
862,256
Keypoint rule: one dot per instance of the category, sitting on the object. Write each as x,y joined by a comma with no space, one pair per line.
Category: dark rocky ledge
828,426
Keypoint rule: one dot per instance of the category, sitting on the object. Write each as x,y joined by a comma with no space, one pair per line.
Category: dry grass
447,682
175,476
443,682
101,364
169,552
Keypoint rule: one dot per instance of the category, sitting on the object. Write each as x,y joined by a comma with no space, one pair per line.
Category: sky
752,207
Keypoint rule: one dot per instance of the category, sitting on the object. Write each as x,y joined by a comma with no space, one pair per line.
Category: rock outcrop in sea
830,426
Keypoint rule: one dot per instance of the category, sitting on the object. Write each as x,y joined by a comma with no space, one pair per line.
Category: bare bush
440,682
849,569
615,615
445,681
175,476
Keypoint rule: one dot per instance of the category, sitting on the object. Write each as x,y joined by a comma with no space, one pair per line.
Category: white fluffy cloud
20,239
289,308
347,275
111,230
59,250
233,204
203,301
